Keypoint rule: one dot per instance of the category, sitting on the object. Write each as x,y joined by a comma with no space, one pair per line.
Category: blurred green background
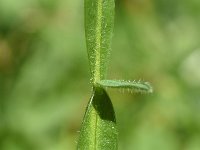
44,74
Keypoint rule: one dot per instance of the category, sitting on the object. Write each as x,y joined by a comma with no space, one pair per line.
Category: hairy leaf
130,85
98,130
99,22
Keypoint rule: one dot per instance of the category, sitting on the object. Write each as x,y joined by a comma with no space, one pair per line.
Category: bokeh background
44,74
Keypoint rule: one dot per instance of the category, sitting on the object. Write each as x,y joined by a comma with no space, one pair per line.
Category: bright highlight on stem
97,71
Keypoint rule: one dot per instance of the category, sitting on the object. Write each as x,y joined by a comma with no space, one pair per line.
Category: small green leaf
99,131
99,24
130,85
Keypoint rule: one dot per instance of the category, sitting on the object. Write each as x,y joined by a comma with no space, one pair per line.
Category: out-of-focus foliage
44,74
